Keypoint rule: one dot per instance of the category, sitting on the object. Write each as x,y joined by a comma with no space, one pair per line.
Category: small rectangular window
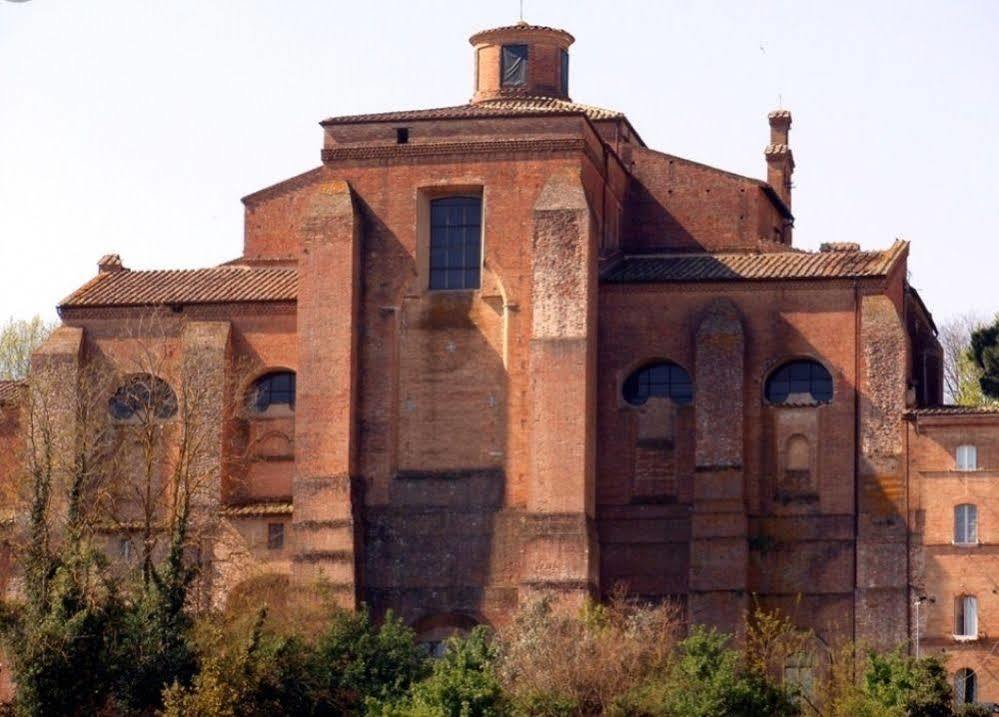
455,242
513,67
125,548
402,135
275,536
966,616
564,79
967,458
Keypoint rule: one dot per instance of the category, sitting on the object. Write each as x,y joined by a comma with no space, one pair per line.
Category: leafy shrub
551,659
706,678
462,684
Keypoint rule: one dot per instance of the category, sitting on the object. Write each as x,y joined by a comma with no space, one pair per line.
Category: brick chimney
521,61
780,161
110,263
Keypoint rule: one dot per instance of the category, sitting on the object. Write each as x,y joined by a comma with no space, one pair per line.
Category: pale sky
134,126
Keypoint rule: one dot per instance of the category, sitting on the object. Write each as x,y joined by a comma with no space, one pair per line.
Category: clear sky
134,126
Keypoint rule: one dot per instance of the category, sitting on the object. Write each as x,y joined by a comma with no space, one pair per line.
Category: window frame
966,450
564,71
962,678
525,59
965,619
273,408
788,364
643,375
970,526
126,397
441,247
275,536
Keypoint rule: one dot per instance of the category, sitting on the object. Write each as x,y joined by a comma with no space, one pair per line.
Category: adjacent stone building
504,348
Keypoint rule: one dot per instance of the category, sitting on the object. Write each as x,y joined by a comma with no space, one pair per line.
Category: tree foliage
985,352
18,339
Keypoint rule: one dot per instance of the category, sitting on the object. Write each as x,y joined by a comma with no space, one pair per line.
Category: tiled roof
783,265
9,391
521,106
955,411
223,284
249,510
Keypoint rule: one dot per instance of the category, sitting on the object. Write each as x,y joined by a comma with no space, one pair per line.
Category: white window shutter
970,616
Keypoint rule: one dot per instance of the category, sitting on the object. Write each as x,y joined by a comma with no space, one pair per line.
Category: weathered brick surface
452,454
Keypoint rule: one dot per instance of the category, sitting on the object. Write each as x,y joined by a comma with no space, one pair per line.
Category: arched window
965,686
272,390
434,632
803,381
966,617
143,395
966,524
664,379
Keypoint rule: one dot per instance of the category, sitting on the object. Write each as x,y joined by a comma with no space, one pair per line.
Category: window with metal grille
275,536
143,396
802,381
965,686
273,389
455,242
966,616
664,379
966,524
513,65
967,458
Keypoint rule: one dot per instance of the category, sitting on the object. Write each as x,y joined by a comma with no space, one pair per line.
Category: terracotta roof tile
955,411
10,391
249,510
521,106
223,284
786,265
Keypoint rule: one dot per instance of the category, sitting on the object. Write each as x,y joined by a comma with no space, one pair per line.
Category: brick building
504,348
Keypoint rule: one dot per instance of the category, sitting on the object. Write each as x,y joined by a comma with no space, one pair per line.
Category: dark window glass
565,73
797,380
402,135
275,536
514,65
455,242
143,395
273,389
664,379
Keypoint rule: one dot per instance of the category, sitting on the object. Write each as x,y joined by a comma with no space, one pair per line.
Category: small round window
143,396
272,390
798,382
664,379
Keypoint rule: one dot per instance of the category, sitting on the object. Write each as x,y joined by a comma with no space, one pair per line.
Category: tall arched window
273,390
966,524
802,381
143,396
455,242
663,379
965,686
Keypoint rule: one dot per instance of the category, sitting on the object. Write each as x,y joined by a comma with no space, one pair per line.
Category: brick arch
438,627
636,365
772,365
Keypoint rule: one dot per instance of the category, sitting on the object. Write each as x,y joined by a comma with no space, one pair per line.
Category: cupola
521,61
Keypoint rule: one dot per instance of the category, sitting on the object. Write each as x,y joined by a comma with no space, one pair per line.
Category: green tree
18,339
985,352
463,683
707,678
